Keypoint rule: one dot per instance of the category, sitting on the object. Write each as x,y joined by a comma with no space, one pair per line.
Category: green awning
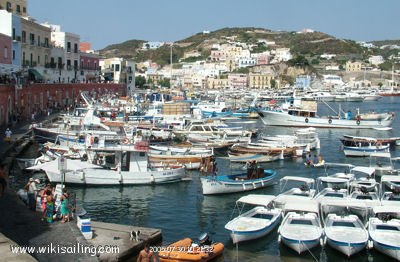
35,74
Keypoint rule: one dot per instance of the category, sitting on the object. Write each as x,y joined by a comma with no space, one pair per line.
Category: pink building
237,80
89,65
5,49
218,55
263,60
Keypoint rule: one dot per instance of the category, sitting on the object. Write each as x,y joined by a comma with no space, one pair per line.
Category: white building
152,45
328,56
246,62
376,60
333,80
283,54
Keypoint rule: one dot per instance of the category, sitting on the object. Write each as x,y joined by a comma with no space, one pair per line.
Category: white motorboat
256,222
390,190
320,96
383,164
345,233
336,188
112,165
349,97
384,230
363,151
301,229
300,188
304,114
251,180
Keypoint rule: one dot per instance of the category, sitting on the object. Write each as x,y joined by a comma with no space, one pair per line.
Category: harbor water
181,210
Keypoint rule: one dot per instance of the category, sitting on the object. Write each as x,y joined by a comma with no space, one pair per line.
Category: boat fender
244,186
152,179
370,244
325,239
321,242
279,239
330,120
254,185
306,120
358,121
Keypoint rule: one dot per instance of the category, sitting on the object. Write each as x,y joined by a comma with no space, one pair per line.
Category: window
46,59
23,37
81,63
95,66
13,55
13,33
68,46
5,52
38,59
9,7
38,40
76,64
24,10
75,48
18,9
117,68
88,65
32,38
46,42
23,58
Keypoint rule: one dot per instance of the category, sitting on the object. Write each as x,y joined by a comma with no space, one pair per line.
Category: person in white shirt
8,134
32,190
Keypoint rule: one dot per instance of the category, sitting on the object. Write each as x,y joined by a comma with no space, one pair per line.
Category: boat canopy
302,205
329,164
329,179
71,165
297,178
364,169
386,209
259,200
381,154
389,178
354,203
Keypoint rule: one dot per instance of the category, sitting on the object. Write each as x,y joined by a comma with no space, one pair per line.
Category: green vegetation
165,83
140,81
299,60
241,70
260,48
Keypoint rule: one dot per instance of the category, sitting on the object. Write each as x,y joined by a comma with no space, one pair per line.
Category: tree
272,82
165,83
140,81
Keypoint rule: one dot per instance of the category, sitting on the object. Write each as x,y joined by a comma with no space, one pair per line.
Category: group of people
47,201
318,160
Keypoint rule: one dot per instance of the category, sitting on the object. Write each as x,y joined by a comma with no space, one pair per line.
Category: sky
103,22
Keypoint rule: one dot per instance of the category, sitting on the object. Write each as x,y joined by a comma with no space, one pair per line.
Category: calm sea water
181,210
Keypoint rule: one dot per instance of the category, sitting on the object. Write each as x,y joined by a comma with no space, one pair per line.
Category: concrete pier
119,235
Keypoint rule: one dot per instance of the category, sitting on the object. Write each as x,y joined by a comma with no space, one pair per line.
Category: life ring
125,141
330,120
358,121
306,120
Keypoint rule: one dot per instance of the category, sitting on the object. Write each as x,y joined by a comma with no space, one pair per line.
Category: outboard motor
204,239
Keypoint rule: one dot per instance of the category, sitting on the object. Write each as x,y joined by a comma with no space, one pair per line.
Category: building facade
217,83
17,7
260,81
237,80
5,50
353,66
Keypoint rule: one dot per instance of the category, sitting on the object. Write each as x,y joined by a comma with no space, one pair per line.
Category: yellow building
217,83
18,7
233,51
155,78
353,66
35,43
260,81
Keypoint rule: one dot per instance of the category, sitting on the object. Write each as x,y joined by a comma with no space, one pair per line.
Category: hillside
311,44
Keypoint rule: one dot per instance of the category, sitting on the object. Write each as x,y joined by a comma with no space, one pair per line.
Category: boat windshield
364,197
263,216
334,195
301,222
343,224
387,227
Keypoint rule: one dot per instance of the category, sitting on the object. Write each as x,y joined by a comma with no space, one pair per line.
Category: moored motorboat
301,229
251,180
384,230
256,222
